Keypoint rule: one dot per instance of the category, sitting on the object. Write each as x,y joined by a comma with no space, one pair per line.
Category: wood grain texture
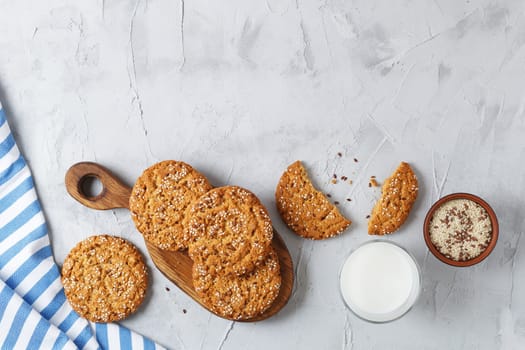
175,265
114,194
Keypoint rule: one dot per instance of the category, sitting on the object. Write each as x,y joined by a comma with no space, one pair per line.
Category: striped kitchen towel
34,312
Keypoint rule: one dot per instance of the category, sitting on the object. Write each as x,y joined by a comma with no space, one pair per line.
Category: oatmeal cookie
239,297
398,194
304,209
159,200
229,228
105,278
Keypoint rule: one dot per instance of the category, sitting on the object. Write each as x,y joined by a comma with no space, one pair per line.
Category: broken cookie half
398,194
304,209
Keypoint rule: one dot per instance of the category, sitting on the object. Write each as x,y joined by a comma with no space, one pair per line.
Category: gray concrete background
240,89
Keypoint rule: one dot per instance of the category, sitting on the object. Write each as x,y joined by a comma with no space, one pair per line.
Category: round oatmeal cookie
239,297
159,200
230,229
105,278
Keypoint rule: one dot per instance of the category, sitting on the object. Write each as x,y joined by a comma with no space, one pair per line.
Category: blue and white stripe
34,312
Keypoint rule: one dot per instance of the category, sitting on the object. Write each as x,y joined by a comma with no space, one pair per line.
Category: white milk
379,281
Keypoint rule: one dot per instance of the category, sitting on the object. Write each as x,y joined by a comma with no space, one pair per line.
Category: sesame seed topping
461,229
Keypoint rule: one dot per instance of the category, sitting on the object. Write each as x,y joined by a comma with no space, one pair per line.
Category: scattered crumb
328,195
373,182
336,203
335,176
368,216
369,184
355,160
348,200
334,181
339,154
350,182
167,289
344,178
184,311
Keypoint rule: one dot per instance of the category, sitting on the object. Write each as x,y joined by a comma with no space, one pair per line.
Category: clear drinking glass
379,281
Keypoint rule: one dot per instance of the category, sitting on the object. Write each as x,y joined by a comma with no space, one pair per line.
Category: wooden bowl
485,253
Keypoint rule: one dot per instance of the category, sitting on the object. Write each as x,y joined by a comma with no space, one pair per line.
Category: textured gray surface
240,89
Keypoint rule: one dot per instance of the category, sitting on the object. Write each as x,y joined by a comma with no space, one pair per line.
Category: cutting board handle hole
91,187
96,187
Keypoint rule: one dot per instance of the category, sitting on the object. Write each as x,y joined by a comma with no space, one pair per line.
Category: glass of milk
380,281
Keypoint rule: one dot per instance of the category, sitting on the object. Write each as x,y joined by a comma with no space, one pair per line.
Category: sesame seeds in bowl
461,229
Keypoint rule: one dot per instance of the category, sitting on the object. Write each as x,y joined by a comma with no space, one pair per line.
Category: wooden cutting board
176,266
